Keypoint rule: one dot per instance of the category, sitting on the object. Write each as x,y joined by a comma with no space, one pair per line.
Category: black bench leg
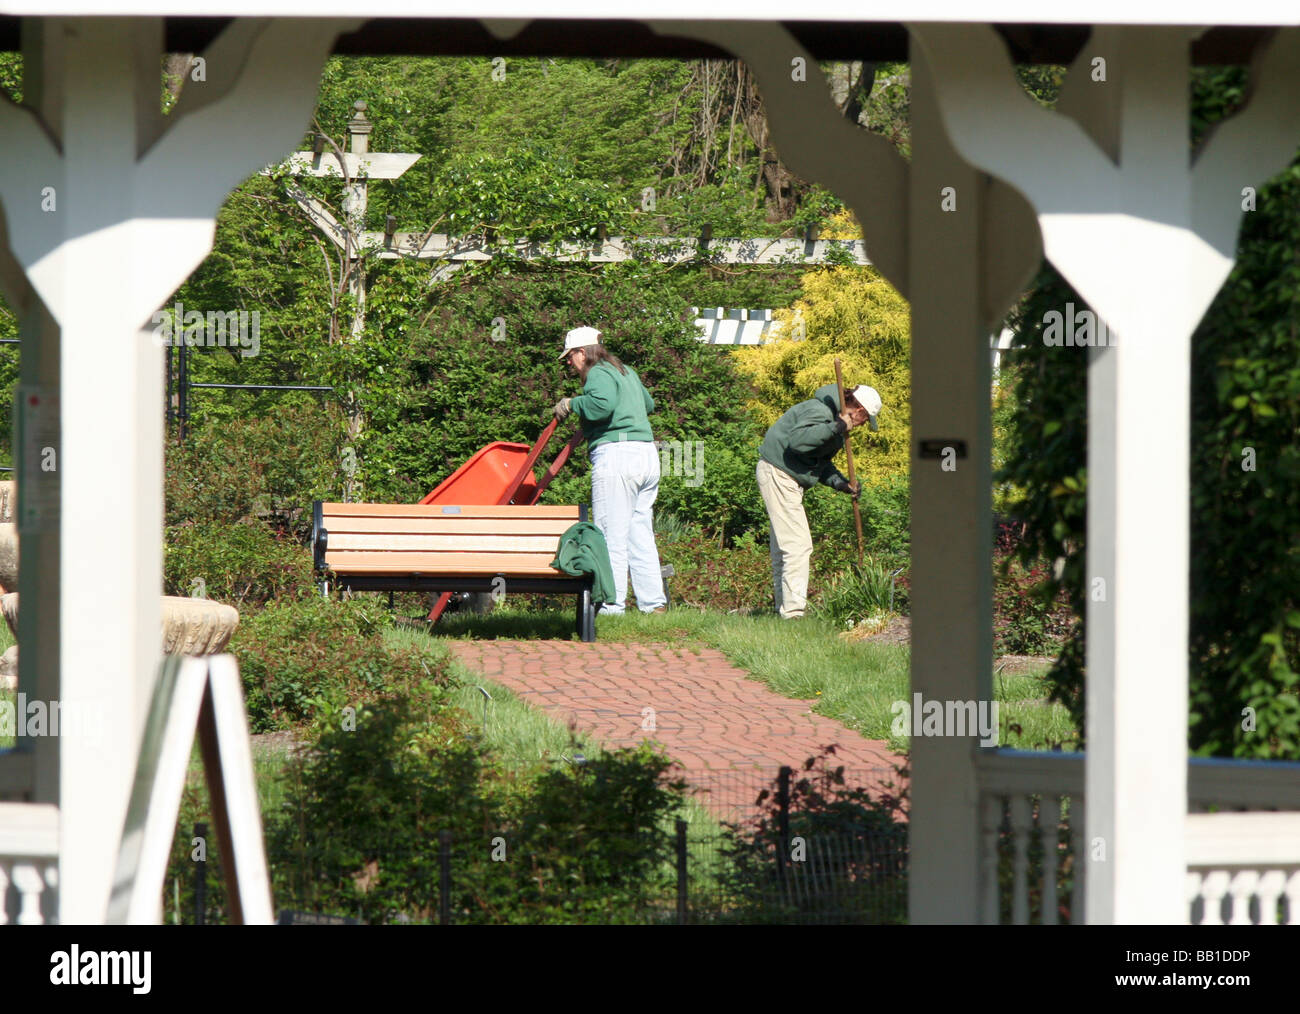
586,615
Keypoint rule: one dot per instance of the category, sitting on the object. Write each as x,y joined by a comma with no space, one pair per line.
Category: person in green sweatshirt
614,408
798,452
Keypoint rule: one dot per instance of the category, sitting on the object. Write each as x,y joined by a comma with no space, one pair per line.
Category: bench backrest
371,538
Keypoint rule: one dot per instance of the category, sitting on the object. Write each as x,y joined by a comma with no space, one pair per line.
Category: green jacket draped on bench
582,550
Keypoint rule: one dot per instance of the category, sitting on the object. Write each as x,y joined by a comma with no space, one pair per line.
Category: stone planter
196,626
9,556
189,626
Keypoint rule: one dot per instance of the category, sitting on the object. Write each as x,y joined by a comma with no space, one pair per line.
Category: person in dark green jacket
614,410
798,452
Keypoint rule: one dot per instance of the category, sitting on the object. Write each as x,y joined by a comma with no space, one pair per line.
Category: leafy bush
709,576
243,564
359,831
268,467
309,658
845,857
527,192
857,593
590,841
722,497
886,525
1029,616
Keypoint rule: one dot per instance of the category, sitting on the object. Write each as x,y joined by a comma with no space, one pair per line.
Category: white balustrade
29,863
1243,868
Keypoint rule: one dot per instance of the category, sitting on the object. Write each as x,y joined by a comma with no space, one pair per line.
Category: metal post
171,409
783,822
444,878
681,873
183,386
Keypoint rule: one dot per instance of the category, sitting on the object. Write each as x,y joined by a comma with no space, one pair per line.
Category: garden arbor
1105,186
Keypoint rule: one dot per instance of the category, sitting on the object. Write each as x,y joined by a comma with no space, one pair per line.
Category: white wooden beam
1118,201
370,166
129,213
951,567
665,249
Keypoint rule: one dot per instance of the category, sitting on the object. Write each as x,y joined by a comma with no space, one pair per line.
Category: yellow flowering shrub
854,314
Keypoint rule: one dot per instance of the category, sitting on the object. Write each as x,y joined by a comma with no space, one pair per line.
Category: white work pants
624,484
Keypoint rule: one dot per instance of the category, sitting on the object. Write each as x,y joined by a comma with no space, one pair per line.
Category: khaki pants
790,541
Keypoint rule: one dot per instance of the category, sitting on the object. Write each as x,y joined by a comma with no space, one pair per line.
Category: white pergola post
960,269
1146,233
951,566
129,212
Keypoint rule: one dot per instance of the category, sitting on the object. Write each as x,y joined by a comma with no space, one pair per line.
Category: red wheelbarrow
500,473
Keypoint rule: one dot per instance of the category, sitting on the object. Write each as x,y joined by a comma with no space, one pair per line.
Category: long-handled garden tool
848,450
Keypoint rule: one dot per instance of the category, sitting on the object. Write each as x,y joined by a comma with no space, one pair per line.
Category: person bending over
797,453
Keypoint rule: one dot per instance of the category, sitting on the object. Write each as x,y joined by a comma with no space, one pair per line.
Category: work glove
842,485
562,408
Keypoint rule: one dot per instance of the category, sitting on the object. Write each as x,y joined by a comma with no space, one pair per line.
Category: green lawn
854,683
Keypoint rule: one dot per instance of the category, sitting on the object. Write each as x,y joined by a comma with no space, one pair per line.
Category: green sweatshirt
804,440
613,406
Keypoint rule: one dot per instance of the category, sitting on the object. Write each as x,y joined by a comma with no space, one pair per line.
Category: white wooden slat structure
721,326
1103,186
1239,865
29,863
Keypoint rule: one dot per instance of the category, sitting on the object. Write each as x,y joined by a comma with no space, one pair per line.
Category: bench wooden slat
338,526
447,548
406,543
435,564
406,510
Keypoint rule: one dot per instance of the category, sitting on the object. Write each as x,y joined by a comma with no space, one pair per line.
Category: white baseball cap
869,398
578,338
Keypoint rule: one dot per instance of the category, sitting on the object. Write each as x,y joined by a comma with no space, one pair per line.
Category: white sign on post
36,412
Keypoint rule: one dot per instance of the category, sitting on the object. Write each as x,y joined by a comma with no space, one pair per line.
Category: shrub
242,563
269,468
708,576
311,657
886,524
856,593
359,831
853,867
1030,616
722,497
590,841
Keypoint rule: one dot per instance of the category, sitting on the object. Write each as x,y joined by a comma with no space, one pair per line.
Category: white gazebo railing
1243,867
29,863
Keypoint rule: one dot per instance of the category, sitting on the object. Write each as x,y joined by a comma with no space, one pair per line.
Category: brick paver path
730,733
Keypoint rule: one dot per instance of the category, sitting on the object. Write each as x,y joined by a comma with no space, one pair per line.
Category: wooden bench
449,548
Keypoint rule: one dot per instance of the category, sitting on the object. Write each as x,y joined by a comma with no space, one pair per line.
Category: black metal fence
785,866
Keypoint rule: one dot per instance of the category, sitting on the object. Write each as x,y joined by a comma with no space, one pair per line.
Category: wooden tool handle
848,450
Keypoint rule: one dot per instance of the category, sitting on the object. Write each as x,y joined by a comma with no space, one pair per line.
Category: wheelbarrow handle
559,462
526,469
